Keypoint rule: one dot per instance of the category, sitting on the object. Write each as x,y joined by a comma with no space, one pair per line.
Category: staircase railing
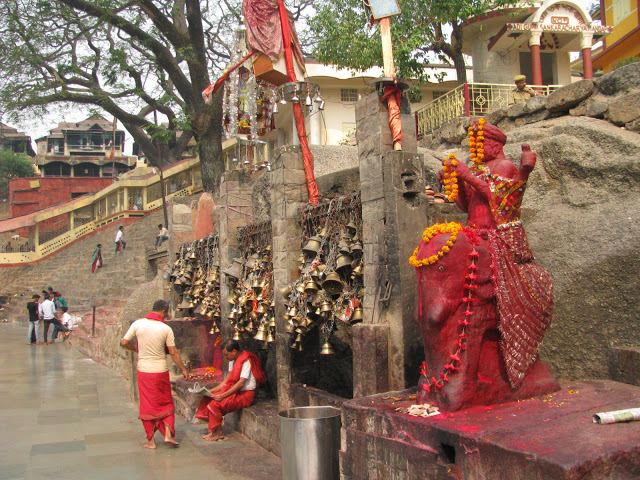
34,236
467,100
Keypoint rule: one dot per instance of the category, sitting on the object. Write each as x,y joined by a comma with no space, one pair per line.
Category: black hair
99,245
159,225
36,296
50,289
64,309
120,227
160,305
231,345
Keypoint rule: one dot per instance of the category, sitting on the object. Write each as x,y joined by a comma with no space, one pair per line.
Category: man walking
120,243
236,392
156,402
34,320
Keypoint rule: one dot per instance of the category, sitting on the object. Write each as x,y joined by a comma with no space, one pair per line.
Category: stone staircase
69,272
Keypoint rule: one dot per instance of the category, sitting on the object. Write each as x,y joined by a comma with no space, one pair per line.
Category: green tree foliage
344,36
13,165
131,59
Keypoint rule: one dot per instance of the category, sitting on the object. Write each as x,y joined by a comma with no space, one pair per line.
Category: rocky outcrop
580,214
614,97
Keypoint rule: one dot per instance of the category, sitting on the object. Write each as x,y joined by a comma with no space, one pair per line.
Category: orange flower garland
450,177
452,228
476,142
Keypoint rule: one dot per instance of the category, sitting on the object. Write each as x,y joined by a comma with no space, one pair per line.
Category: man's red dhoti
156,403
213,411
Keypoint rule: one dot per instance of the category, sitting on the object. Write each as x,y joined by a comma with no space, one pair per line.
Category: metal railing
468,100
55,228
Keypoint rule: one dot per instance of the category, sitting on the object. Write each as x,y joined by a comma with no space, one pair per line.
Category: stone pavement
65,417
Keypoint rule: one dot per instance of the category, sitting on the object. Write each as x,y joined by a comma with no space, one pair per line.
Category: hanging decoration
330,286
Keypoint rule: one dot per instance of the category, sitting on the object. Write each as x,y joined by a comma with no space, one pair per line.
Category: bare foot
213,438
151,444
171,441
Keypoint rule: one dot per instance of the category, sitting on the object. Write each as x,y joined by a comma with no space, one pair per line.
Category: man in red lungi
236,392
154,340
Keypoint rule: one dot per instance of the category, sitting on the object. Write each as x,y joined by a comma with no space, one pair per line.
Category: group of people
153,339
52,310
121,245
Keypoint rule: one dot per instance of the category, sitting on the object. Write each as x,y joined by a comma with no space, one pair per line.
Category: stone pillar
233,210
288,196
393,215
315,129
536,62
586,42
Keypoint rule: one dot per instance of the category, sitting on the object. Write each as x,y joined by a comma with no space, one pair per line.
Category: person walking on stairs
34,320
154,340
120,243
96,260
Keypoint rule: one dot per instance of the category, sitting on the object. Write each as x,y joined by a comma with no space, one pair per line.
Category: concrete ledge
259,423
549,437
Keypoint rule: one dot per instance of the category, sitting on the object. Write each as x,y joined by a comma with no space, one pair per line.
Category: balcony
467,100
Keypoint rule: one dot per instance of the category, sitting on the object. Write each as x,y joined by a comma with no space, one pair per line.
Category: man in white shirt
120,243
163,234
47,311
154,340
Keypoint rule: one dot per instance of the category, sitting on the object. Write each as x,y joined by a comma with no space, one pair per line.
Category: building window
621,10
348,95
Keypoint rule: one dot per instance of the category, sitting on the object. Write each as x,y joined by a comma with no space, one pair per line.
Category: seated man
163,235
236,392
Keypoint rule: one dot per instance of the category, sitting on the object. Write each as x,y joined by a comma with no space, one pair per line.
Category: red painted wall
52,191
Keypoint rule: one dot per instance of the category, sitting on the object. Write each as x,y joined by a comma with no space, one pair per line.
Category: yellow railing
126,198
469,100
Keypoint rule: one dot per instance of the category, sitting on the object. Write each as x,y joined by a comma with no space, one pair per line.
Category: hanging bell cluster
251,294
299,92
330,285
195,276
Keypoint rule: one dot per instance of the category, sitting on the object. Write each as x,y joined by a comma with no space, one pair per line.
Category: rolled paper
617,416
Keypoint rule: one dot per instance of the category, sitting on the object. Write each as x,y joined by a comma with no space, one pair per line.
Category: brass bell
272,322
344,249
343,263
193,255
358,270
313,246
270,337
356,248
252,262
185,304
327,349
332,283
232,298
292,311
177,281
285,291
261,335
310,287
325,306
357,315
261,309
351,227
232,315
235,270
298,338
236,335
188,268
255,285
324,232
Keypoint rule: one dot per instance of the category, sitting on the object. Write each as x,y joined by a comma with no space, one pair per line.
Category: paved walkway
63,416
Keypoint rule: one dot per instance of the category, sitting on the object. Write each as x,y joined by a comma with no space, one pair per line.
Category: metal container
310,441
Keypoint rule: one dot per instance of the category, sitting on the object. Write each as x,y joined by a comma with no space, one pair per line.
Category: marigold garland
476,142
452,228
450,177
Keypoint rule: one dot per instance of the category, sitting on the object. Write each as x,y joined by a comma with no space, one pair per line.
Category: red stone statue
484,302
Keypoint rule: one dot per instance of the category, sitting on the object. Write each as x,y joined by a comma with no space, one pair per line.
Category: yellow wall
623,16
624,24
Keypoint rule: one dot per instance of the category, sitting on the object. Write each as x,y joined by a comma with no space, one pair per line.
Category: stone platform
547,437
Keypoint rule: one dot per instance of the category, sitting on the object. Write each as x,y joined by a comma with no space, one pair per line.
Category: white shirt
64,318
47,310
152,337
119,235
247,374
163,232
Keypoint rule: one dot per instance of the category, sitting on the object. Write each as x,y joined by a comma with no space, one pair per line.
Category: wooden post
387,47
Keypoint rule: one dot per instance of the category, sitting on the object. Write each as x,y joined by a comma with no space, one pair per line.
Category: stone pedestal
393,215
551,437
288,197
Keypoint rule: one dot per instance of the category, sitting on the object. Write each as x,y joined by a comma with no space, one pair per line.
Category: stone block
626,365
370,359
292,161
455,130
624,109
535,104
516,110
495,116
570,95
621,79
597,109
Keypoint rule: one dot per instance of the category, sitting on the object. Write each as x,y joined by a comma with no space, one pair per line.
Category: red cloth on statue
264,31
213,411
156,402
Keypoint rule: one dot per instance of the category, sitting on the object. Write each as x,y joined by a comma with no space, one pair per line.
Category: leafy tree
346,39
133,59
13,165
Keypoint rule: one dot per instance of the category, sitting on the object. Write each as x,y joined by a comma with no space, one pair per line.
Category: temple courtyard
64,416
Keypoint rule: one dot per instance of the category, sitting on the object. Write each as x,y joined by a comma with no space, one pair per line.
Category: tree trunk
210,147
461,69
